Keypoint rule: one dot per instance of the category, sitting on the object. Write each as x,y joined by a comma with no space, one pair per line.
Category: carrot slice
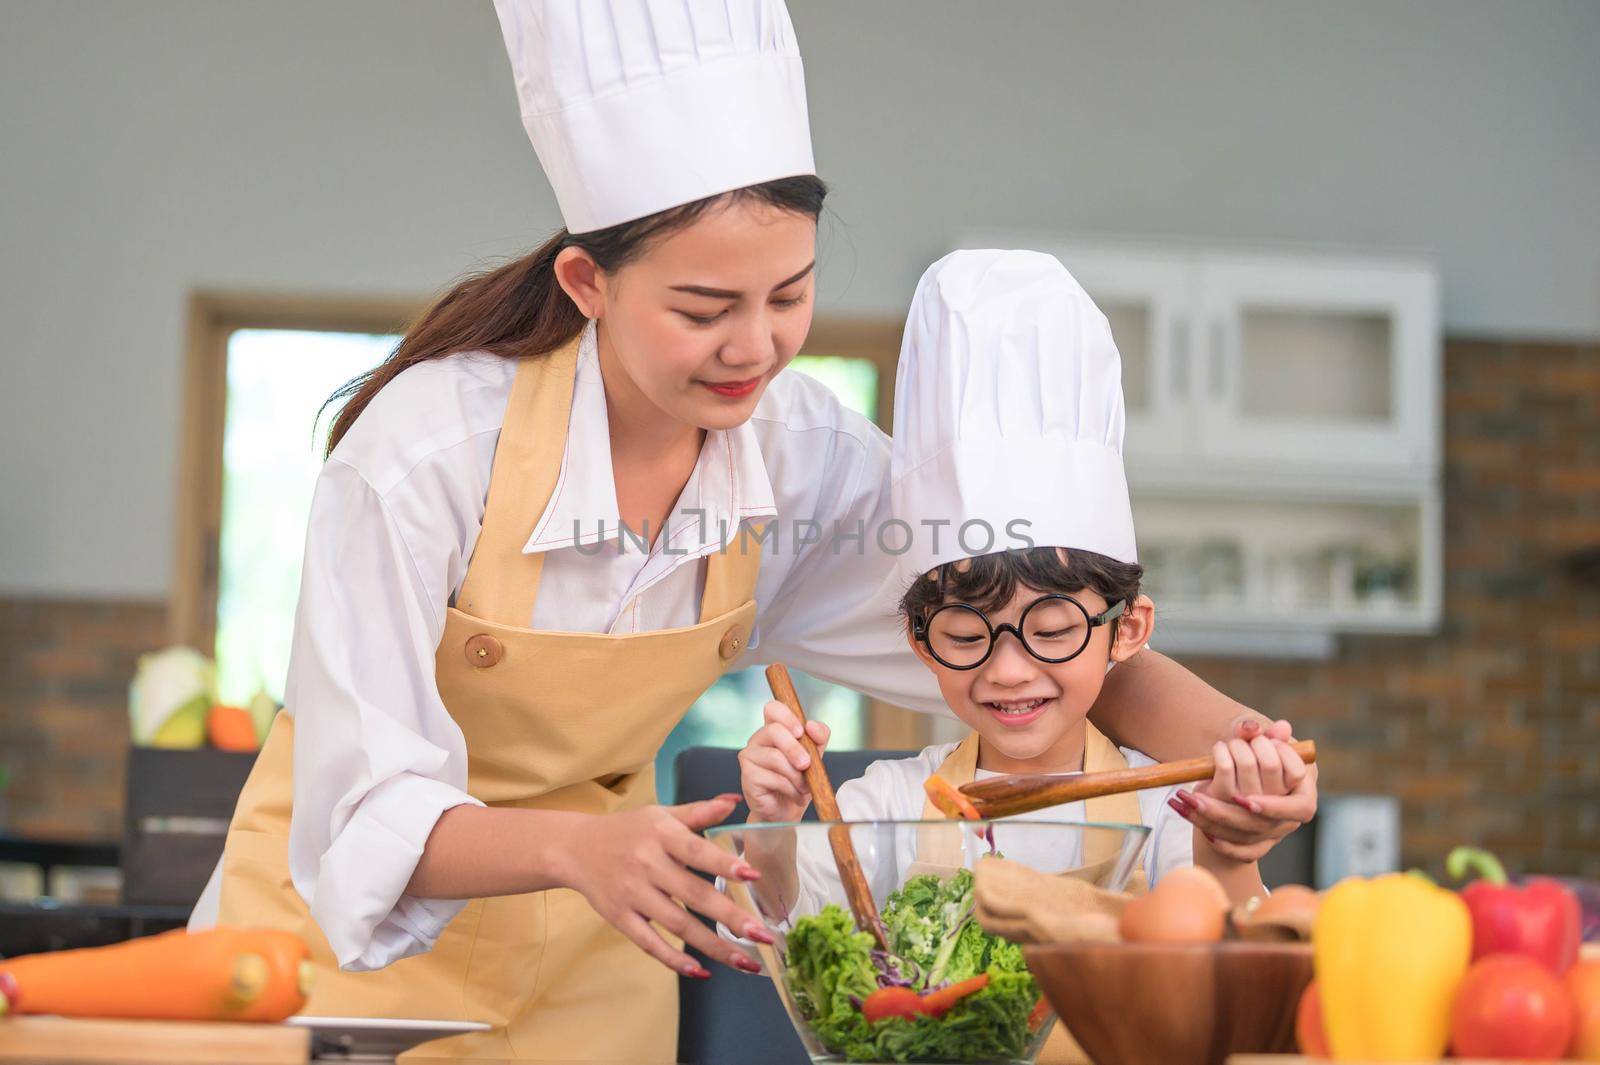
891,1002
937,1003
948,800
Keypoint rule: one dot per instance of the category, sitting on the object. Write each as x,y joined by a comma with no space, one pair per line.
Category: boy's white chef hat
635,106
1008,409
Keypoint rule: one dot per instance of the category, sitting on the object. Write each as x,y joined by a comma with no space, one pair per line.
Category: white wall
373,146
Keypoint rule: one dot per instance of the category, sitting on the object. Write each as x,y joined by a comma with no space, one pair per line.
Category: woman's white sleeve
834,616
377,757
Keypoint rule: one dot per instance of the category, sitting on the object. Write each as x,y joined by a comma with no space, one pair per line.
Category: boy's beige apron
1099,755
553,721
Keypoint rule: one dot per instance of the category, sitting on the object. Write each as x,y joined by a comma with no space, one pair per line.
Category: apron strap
1099,755
731,574
527,464
959,767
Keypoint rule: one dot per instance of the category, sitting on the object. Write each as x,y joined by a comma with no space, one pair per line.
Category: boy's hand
1259,794
772,765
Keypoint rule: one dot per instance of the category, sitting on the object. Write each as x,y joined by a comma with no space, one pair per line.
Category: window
272,448
260,370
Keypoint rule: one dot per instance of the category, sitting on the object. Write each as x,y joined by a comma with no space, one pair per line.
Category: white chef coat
396,512
892,790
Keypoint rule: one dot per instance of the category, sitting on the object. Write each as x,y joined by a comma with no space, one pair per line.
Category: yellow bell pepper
1389,954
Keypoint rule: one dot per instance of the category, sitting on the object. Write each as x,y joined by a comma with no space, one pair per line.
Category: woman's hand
1259,794
772,765
634,868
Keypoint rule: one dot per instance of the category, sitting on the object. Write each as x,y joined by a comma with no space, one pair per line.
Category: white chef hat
635,106
1008,408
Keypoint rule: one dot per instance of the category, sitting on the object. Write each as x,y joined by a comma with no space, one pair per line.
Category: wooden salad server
844,852
1007,795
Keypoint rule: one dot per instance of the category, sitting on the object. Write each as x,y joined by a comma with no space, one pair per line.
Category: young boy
1008,446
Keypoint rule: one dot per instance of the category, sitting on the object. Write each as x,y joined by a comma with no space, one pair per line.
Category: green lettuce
832,968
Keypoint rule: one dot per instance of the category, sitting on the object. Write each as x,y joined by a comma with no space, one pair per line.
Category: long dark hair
520,309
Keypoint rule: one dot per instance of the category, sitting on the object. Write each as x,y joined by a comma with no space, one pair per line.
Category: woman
485,662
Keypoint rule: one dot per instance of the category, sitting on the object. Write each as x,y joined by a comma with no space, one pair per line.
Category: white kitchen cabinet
1316,362
1147,297
1283,436
1267,360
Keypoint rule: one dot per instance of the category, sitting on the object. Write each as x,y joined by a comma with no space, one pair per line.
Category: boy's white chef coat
394,518
891,790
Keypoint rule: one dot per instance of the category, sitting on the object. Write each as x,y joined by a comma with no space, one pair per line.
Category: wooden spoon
1004,796
844,852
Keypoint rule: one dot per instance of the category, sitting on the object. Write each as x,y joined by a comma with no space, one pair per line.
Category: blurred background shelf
1283,436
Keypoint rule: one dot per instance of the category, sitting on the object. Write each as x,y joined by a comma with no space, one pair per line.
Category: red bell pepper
1541,919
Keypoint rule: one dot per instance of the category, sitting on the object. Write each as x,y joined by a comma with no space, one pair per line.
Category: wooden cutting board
1296,1059
71,1040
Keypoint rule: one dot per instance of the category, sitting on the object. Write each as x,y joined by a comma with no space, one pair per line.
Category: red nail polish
747,872
695,972
1178,807
760,935
746,965
1187,799
1210,838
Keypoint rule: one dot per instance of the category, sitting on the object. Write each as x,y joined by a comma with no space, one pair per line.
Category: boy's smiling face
1030,713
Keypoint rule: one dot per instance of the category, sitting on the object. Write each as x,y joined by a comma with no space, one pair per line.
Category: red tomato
891,1002
1308,1033
937,1003
1041,1011
1511,1006
1583,981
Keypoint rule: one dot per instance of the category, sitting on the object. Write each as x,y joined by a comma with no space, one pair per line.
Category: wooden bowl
1178,1004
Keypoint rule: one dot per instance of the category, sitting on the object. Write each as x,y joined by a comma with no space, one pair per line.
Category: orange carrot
224,974
948,799
290,974
231,728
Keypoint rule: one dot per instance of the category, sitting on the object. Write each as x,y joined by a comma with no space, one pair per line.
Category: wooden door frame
874,339
213,316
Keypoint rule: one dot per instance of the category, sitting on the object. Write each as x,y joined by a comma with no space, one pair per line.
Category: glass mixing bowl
960,994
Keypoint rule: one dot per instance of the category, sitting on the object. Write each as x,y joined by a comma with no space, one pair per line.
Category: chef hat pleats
635,106
1008,413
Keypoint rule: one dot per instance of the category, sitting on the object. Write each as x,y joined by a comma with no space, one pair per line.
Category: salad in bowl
939,988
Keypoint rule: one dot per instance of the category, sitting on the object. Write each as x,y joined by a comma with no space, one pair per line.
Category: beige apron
553,721
937,851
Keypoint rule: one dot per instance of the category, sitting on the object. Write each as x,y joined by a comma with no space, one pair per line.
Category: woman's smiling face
703,321
1029,712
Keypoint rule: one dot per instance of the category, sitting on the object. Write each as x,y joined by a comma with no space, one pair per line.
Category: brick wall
1489,731
64,672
